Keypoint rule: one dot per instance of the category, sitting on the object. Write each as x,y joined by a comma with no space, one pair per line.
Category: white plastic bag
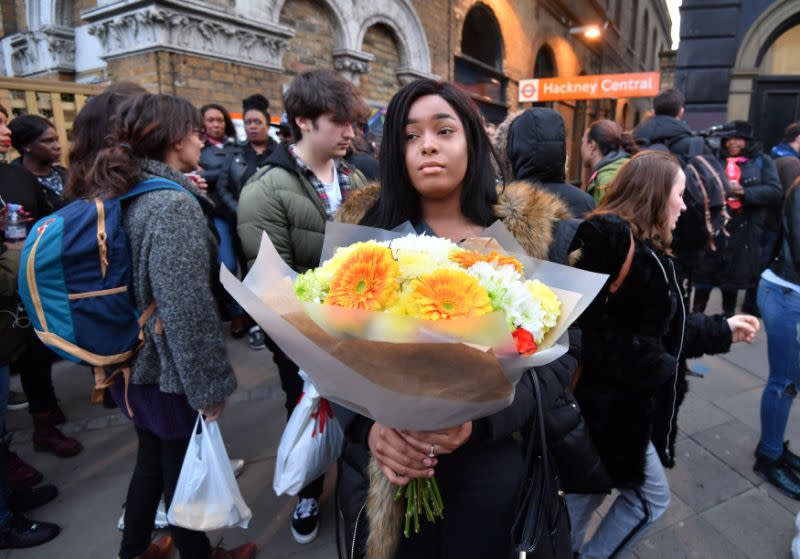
310,444
207,496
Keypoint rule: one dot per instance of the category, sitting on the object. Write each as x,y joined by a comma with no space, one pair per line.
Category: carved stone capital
165,26
352,63
407,75
49,49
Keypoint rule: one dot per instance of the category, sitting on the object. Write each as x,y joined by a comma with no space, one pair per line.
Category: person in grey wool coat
182,367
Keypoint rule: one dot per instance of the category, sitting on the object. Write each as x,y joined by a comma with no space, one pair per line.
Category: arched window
545,64
479,67
480,38
656,50
634,27
643,52
781,56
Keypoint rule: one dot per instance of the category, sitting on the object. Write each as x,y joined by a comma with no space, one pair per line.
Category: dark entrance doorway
776,104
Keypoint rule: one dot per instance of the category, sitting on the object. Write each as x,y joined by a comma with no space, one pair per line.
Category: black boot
750,304
790,458
18,532
729,297
23,500
778,473
701,295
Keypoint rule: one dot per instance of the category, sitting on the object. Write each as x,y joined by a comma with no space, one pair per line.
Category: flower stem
422,498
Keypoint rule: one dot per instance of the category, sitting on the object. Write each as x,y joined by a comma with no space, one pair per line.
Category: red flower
524,340
734,203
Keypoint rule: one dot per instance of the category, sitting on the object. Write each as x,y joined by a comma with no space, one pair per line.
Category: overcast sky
676,21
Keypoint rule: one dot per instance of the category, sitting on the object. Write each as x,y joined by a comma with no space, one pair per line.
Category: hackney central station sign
601,86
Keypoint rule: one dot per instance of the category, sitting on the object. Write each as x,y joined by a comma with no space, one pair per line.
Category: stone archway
769,25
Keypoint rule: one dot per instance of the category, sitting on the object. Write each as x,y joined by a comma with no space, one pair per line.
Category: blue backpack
75,283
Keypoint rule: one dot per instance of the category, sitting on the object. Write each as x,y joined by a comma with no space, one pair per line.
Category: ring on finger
432,452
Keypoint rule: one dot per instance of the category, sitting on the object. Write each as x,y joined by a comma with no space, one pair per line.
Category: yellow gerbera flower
447,294
469,258
366,279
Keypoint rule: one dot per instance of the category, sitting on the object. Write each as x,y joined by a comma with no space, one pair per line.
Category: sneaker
779,474
24,500
257,339
237,465
159,522
305,520
16,400
18,532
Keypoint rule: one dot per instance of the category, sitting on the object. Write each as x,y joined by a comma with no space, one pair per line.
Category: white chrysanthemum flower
438,248
508,293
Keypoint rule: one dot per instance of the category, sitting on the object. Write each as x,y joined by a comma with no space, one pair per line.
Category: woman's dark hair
230,129
399,200
639,193
318,92
145,127
258,103
609,136
26,129
91,129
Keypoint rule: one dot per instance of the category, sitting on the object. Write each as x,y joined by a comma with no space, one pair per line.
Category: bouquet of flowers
416,332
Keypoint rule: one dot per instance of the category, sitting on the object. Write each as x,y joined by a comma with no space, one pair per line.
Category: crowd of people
610,404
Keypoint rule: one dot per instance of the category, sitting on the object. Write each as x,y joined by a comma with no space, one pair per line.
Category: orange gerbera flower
446,294
468,258
366,279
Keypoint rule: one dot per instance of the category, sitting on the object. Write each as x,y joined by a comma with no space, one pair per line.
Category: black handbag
541,528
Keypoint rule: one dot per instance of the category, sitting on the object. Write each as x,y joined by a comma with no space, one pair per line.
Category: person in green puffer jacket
291,198
605,148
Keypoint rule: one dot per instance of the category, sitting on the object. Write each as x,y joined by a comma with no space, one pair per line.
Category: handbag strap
537,392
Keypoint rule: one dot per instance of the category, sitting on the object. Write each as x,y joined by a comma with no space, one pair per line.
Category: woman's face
735,146
588,149
255,125
676,205
5,134
214,124
188,152
46,148
436,148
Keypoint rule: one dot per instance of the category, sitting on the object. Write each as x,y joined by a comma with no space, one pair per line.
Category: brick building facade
223,50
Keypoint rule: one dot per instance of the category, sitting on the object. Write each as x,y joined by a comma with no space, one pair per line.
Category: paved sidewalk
720,509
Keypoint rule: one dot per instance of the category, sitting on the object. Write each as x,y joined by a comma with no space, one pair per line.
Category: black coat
736,262
534,143
675,134
787,265
629,390
537,220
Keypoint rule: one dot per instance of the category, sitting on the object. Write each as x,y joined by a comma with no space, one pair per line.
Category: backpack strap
103,381
706,207
624,269
150,185
722,193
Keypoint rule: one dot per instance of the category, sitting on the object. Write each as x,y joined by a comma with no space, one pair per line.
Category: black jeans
158,465
35,367
702,294
292,386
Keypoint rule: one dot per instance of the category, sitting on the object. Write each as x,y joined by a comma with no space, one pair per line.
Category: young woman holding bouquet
633,339
436,173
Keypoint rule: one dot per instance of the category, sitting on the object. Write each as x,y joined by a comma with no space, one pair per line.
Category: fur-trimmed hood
529,213
542,224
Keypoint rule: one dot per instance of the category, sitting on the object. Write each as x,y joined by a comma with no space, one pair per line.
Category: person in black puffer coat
481,478
633,338
736,262
532,146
